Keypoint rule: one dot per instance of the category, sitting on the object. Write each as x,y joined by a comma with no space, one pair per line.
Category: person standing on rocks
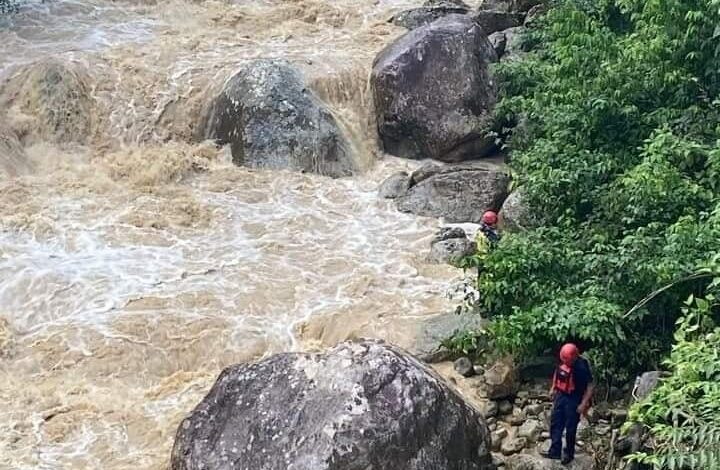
572,390
486,239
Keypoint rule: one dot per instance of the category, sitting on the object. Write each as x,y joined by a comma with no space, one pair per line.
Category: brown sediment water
137,262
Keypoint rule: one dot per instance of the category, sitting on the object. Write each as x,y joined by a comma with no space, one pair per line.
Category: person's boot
566,459
548,455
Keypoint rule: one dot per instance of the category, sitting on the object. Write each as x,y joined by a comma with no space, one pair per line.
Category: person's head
490,218
569,353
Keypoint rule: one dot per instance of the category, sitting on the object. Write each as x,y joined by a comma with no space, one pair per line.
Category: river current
136,264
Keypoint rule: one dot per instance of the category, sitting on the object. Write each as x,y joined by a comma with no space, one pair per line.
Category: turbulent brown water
135,266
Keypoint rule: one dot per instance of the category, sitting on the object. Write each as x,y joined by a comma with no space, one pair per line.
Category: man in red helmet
487,236
572,390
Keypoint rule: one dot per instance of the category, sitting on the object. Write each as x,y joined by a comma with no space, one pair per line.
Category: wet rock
534,409
505,407
515,215
489,409
513,445
451,251
417,17
433,330
534,14
530,429
13,160
434,93
360,405
499,42
396,185
271,120
498,460
513,42
501,380
535,462
646,383
464,367
49,100
447,233
496,438
515,419
492,21
459,193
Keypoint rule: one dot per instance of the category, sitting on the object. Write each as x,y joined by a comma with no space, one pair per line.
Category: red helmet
568,353
490,218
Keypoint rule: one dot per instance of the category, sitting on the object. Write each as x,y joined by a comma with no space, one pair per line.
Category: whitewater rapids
136,263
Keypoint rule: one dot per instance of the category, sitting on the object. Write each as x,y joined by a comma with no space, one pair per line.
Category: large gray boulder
359,406
459,193
49,100
451,251
647,382
271,120
515,215
492,21
434,93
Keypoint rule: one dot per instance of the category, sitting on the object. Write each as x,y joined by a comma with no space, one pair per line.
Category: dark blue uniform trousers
564,418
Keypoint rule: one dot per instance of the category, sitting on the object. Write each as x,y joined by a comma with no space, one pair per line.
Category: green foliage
683,413
617,149
467,343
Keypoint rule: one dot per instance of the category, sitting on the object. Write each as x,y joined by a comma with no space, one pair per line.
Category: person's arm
587,396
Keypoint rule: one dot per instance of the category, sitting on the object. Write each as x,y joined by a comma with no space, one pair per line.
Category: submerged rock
358,406
395,186
434,93
271,120
459,193
49,101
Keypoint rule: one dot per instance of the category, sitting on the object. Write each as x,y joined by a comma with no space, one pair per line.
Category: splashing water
135,266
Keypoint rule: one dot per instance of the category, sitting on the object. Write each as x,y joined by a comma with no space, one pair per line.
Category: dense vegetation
683,413
616,152
614,114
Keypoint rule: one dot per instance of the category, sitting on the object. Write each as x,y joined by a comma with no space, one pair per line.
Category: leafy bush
616,145
683,413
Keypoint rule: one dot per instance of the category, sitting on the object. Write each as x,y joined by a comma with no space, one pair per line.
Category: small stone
464,367
513,445
530,429
496,438
489,409
491,421
492,426
479,370
545,435
534,410
602,430
504,407
498,459
581,444
515,420
618,417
